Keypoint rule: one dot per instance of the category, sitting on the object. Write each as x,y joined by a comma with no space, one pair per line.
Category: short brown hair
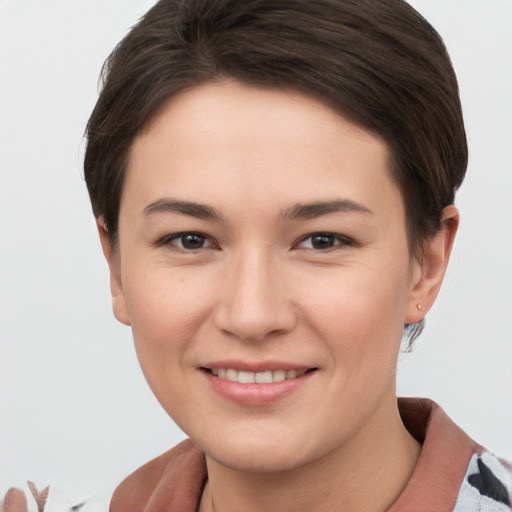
378,62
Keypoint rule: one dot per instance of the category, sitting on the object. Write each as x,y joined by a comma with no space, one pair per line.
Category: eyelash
339,241
169,241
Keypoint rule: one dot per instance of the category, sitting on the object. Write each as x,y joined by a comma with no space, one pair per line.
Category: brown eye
192,241
322,241
186,241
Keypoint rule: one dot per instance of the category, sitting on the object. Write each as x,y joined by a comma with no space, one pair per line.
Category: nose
254,304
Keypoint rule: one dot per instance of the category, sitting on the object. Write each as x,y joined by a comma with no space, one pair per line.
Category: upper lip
255,367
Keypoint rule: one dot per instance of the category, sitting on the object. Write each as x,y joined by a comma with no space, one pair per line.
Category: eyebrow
200,211
297,211
317,209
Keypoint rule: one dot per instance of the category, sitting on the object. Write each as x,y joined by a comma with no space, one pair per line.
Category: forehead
243,110
225,140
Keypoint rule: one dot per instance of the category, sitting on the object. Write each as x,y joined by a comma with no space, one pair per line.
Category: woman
273,184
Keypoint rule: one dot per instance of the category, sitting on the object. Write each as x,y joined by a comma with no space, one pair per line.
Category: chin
261,454
258,460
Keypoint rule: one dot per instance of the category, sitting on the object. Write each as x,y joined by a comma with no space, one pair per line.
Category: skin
260,290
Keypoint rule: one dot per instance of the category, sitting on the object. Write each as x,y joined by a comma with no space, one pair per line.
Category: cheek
165,309
360,312
362,292
359,318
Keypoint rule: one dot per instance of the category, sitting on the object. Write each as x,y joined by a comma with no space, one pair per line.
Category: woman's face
262,238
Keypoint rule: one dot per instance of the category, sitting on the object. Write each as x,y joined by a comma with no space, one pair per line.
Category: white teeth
278,375
232,375
246,377
265,377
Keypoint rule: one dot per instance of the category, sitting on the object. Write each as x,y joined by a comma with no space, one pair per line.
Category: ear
116,285
429,273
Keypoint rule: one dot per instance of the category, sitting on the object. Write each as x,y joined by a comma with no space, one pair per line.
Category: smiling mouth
264,377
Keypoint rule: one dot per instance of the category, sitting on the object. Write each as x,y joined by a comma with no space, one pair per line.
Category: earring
419,306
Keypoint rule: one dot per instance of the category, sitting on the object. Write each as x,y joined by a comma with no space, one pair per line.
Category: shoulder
453,472
487,485
98,503
51,499
172,481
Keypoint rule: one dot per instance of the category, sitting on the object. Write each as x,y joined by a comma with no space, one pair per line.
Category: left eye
189,241
322,241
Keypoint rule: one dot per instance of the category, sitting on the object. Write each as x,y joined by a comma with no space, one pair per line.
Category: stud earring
419,306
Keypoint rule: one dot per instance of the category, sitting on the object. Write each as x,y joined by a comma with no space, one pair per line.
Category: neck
365,474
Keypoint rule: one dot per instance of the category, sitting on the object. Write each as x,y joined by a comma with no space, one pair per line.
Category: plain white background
75,409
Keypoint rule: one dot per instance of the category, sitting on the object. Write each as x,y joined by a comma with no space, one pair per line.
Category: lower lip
255,395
